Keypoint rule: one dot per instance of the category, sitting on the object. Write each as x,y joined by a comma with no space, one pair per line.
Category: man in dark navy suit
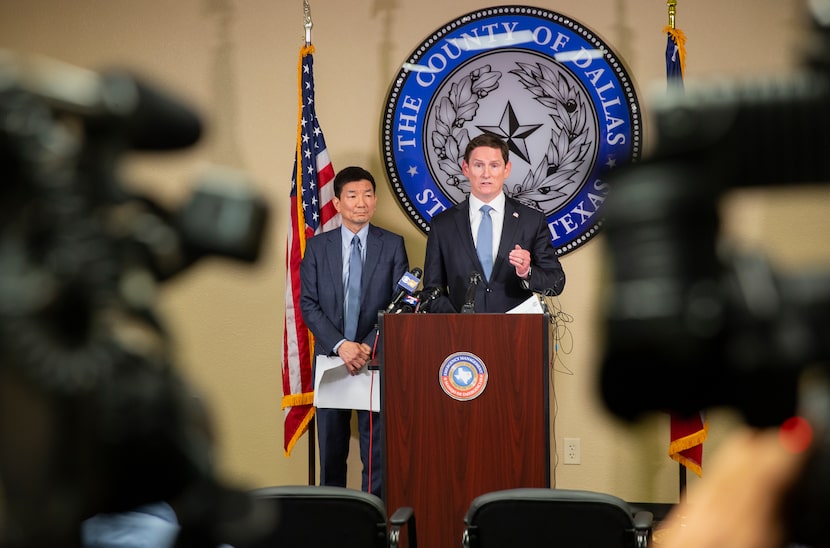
347,275
506,242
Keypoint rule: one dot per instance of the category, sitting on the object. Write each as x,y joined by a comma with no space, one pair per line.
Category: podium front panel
442,452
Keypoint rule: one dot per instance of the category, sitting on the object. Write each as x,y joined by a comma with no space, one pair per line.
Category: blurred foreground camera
692,323
93,416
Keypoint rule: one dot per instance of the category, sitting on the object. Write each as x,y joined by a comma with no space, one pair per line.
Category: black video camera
93,416
692,324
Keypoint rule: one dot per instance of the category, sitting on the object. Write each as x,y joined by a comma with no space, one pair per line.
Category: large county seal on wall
546,84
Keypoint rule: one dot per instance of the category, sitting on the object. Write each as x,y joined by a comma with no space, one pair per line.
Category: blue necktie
352,311
484,245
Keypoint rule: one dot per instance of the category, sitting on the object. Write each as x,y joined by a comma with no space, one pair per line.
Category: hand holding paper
336,387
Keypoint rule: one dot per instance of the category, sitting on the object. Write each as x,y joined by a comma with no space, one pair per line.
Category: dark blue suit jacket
321,284
451,257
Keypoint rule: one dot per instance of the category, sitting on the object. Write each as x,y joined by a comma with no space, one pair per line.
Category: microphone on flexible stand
540,295
470,298
425,298
406,286
546,292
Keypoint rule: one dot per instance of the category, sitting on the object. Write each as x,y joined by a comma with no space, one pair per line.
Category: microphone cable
371,412
560,332
371,431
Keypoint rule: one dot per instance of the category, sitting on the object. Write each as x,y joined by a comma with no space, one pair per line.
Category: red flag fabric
312,212
687,433
687,437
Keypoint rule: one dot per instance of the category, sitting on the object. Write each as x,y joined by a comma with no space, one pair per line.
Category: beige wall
236,61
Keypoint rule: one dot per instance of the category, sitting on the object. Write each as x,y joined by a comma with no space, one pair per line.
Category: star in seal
514,133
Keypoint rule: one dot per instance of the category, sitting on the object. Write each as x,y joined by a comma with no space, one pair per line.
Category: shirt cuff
526,281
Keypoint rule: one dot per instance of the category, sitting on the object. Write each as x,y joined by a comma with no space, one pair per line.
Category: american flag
312,212
687,434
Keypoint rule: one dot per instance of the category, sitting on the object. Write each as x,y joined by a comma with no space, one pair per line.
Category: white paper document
530,306
335,388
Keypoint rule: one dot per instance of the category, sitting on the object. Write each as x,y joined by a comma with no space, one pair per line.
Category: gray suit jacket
321,284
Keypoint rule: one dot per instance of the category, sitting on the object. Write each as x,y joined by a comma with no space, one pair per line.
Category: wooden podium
441,452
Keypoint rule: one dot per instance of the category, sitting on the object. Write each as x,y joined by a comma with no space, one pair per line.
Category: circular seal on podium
463,376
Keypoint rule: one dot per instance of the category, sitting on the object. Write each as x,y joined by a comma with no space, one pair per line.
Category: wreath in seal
567,150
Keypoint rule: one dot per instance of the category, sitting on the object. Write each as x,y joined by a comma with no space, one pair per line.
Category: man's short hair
487,140
349,175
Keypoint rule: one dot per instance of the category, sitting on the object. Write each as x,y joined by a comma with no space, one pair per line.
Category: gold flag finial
672,4
307,23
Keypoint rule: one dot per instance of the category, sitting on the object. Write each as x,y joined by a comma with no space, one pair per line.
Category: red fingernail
796,434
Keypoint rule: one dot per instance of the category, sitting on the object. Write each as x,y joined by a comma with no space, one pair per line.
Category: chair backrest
321,517
549,517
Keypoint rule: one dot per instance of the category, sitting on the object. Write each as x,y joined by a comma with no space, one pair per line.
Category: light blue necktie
352,311
484,245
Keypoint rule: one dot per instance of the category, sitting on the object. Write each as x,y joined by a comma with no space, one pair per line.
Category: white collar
496,203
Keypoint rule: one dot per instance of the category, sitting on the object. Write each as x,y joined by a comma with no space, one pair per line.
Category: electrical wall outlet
572,451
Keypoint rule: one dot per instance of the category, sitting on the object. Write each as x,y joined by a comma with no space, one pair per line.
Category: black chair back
327,517
553,517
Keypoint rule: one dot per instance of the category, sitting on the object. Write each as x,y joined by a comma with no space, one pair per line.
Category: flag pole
672,6
307,23
681,478
312,436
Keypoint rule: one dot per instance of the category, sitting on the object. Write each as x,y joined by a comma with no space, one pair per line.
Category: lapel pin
516,214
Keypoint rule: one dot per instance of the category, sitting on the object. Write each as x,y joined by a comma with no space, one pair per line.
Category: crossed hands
355,355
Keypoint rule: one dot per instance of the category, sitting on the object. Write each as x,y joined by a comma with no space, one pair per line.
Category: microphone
470,298
406,286
426,296
409,304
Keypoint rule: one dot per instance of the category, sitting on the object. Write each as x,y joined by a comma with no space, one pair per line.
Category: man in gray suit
507,243
347,275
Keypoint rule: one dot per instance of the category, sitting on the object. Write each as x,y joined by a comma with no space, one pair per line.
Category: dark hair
349,175
487,140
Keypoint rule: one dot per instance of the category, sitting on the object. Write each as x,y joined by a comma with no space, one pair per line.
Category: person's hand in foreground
738,504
